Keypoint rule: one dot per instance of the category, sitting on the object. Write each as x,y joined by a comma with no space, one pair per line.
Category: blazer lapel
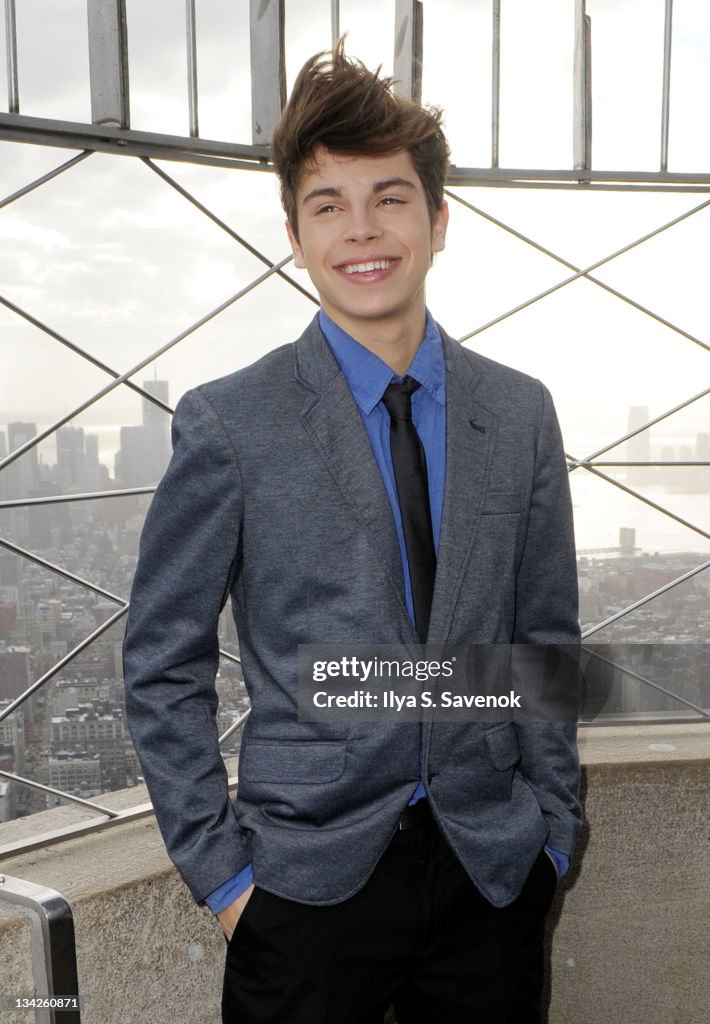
469,442
332,420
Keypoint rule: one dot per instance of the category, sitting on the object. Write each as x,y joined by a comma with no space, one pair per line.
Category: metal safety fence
110,132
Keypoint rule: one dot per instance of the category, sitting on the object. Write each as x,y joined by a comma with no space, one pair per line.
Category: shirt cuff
559,859
228,893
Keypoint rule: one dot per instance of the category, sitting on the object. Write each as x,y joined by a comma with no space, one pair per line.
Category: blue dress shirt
368,377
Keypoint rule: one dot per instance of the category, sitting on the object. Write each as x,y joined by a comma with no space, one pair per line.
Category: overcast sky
114,259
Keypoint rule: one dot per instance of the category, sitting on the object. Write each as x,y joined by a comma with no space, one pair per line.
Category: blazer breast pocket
502,503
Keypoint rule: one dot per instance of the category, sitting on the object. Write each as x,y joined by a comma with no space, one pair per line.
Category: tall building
3,453
71,459
157,427
91,462
79,774
14,671
627,540
84,731
22,474
132,460
9,600
145,449
9,569
638,448
48,525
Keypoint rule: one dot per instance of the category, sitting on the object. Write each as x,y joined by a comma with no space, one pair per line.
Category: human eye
326,208
391,201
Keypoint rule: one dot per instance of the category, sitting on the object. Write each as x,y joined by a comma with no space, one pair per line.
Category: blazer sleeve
547,602
187,562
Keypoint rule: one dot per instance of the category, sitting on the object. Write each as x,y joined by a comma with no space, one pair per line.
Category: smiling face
366,237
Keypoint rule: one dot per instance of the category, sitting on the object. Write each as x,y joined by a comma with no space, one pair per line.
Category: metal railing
110,129
56,986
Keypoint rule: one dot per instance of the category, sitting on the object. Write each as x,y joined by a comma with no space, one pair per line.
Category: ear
438,228
298,257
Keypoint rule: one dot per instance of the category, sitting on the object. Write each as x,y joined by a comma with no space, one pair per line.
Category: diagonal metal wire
608,462
644,600
589,649
646,501
49,176
645,426
68,657
123,377
45,178
60,499
585,272
83,644
78,350
30,556
237,724
225,227
58,792
580,272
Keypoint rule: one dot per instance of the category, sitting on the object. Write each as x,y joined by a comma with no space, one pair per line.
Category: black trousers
418,936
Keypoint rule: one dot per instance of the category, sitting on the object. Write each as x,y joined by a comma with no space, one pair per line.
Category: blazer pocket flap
303,762
501,503
503,747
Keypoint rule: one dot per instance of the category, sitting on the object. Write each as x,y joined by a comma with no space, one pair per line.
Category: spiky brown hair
336,102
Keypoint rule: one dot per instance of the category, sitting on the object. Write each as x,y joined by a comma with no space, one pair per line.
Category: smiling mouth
366,267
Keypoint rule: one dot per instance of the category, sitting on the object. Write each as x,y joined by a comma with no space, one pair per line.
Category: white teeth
363,268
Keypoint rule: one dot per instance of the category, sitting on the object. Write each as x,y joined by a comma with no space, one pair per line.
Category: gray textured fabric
273,498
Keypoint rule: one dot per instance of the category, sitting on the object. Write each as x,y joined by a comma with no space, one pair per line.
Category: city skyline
141,457
144,449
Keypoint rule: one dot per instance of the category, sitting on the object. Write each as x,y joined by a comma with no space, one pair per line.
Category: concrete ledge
628,929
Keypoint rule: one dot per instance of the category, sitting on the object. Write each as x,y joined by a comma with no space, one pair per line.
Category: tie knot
397,398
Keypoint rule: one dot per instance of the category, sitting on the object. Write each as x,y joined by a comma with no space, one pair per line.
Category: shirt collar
368,376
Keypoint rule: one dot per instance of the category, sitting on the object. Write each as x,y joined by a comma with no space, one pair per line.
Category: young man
391,863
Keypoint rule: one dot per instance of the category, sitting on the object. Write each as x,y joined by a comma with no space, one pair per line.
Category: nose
362,225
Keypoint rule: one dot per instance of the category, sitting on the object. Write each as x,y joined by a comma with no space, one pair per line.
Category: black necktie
409,463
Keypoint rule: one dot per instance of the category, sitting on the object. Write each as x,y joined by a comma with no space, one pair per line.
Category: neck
394,340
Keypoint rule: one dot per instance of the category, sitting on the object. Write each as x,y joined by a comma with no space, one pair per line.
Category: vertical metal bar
582,87
108,62
495,86
666,108
334,22
408,49
52,941
268,67
192,66
13,93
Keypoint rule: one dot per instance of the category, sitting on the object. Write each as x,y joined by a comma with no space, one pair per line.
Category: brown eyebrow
331,192
382,186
